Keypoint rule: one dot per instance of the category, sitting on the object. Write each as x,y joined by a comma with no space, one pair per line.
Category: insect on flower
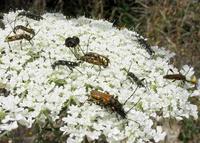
26,34
23,28
72,41
181,77
109,101
89,57
134,78
30,15
95,59
18,37
71,65
73,44
145,45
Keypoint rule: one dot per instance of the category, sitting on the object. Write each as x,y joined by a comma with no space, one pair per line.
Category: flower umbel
35,87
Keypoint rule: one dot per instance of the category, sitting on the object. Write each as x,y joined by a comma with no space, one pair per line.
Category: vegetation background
173,24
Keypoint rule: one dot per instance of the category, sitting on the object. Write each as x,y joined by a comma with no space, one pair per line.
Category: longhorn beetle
71,65
89,57
95,59
18,37
179,76
109,101
21,36
21,27
145,45
134,78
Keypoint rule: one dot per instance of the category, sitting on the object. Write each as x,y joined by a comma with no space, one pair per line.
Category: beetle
28,34
89,57
95,59
21,27
18,37
134,78
109,101
72,41
179,76
145,45
73,44
70,64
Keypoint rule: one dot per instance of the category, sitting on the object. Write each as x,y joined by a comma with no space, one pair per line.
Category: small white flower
93,135
160,135
10,126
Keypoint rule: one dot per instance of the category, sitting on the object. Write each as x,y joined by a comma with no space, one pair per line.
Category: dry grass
175,25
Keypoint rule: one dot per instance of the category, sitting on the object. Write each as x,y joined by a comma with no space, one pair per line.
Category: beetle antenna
133,106
88,44
130,95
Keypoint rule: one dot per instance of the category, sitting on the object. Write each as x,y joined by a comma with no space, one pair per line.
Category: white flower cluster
26,71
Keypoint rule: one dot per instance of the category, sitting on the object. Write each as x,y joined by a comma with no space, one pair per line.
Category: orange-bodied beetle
109,101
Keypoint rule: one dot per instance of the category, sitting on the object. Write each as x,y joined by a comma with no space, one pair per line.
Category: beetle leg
21,44
146,87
